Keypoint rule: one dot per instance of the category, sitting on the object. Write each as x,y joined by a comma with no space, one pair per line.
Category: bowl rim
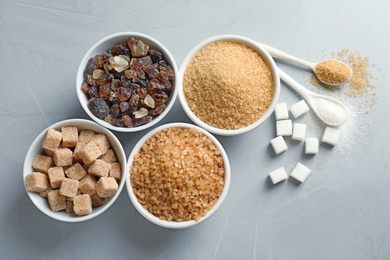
31,153
171,224
235,38
116,37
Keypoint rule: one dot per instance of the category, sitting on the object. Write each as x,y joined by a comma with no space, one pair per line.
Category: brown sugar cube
76,151
115,171
102,142
99,168
52,140
98,201
36,182
82,205
85,167
42,163
69,187
106,187
70,136
87,184
69,206
86,136
57,202
48,152
76,171
109,156
44,193
90,153
56,175
63,157
72,198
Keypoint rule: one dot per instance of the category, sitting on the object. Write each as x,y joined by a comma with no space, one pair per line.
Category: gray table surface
342,211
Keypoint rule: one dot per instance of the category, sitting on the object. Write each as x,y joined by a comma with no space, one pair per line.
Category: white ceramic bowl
172,224
101,47
36,148
263,53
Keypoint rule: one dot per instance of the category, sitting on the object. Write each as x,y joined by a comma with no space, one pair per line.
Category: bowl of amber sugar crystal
178,175
228,85
127,81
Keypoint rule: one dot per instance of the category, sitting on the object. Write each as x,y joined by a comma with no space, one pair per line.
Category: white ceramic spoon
284,56
329,110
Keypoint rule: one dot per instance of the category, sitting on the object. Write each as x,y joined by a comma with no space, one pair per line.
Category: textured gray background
342,211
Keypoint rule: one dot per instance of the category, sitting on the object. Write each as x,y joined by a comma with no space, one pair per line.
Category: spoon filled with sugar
330,72
329,110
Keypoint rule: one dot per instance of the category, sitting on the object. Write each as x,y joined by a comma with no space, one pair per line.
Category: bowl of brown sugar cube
127,81
228,85
74,170
178,175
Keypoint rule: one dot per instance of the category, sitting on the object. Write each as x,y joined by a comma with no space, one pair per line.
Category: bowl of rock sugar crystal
127,81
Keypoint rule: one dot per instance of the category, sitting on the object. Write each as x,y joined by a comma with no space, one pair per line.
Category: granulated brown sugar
361,81
359,95
332,72
228,85
178,175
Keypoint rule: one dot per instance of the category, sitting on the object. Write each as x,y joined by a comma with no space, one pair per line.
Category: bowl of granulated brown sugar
228,85
178,175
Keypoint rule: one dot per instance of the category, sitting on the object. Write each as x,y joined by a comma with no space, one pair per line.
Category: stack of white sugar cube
297,131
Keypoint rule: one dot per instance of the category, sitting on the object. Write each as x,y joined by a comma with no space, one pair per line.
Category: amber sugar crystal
228,85
178,175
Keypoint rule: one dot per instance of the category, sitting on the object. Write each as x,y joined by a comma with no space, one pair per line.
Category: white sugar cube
281,111
311,145
279,145
299,108
331,136
284,127
299,132
278,175
300,172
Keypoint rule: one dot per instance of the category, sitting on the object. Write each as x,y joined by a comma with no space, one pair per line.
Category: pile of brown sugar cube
77,171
